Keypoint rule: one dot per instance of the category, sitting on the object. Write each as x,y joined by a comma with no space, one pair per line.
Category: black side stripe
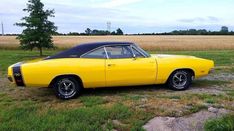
18,75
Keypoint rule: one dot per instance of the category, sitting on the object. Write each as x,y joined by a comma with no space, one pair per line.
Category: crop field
122,108
147,42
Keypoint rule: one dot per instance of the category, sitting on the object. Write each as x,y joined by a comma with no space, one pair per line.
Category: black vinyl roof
81,49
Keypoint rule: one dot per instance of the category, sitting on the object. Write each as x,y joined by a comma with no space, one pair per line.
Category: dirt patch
215,90
192,122
220,77
3,83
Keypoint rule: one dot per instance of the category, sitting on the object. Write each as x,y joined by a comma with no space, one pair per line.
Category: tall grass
147,42
225,123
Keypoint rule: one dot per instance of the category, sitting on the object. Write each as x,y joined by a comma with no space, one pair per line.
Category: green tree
224,29
113,33
119,32
38,29
88,31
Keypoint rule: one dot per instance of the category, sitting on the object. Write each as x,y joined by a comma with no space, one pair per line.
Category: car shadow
125,89
47,94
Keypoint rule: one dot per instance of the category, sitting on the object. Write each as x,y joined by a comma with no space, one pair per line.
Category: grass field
119,108
126,108
147,42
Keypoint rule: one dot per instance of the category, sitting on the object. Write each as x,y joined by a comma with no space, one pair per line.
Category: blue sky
133,16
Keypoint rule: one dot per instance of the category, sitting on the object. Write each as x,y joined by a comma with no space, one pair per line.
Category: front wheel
67,87
180,80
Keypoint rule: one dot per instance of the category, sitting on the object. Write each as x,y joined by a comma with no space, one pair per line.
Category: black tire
180,80
67,87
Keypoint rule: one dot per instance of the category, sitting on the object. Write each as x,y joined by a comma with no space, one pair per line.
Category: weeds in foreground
225,123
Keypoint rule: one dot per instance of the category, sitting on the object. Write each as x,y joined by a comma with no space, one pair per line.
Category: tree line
119,31
223,31
88,31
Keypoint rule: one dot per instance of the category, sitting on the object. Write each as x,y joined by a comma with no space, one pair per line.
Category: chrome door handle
110,65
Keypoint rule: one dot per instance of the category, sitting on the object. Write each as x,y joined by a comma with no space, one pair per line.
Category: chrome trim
121,45
92,51
142,51
134,55
107,56
139,51
103,47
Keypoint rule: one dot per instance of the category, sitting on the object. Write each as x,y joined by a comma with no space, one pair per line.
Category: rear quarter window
98,53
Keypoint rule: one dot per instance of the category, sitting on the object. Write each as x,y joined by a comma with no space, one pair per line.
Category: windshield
142,51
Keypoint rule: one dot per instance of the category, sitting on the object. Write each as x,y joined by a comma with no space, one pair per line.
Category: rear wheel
180,80
67,87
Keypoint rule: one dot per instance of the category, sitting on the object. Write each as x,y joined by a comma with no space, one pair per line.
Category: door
124,68
93,68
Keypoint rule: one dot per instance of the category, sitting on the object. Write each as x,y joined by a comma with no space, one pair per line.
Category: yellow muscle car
107,64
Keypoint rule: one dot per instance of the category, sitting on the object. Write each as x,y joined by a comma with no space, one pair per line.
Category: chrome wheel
66,87
179,79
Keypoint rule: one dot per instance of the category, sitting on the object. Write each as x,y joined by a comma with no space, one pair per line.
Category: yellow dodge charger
107,64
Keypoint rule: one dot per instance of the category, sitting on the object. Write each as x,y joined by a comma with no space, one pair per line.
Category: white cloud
116,3
131,15
209,19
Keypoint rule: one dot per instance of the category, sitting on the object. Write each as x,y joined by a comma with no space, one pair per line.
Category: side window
137,53
99,53
116,52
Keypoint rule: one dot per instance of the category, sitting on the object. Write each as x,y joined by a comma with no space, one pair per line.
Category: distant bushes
200,32
191,32
95,32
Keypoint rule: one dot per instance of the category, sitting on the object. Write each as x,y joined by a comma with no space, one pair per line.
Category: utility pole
108,24
2,29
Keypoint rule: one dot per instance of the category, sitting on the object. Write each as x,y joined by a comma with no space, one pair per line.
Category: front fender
166,66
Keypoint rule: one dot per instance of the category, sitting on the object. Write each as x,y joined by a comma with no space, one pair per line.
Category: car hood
32,61
181,58
27,62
